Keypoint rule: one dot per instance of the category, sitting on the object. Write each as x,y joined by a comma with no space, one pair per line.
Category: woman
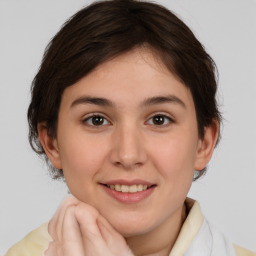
124,108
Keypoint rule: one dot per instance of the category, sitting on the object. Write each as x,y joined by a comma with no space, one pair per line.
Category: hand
79,229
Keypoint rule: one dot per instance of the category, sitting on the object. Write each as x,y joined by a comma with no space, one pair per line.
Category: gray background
227,28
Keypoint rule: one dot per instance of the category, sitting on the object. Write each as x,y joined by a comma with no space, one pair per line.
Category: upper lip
128,182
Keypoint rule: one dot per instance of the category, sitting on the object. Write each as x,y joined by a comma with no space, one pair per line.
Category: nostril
128,165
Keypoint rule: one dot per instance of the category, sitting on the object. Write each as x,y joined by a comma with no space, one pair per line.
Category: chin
131,231
130,227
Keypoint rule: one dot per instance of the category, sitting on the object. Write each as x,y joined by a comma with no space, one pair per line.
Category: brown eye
160,120
96,120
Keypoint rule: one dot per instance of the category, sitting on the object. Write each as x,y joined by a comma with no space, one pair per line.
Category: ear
206,145
50,145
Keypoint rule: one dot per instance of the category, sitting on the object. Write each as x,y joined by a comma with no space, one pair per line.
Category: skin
129,145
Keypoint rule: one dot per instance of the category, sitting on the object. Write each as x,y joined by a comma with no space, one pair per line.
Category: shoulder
35,243
207,237
243,252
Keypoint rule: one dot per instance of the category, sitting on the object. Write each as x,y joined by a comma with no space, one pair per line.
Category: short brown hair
106,29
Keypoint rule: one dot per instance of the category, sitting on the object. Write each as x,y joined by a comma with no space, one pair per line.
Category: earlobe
206,146
50,145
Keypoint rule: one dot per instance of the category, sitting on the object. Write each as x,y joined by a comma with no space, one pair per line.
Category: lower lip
129,197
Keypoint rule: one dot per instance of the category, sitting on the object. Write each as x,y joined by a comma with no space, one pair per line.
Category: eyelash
89,120
167,120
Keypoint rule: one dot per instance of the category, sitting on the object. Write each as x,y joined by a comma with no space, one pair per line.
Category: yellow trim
189,229
240,251
34,244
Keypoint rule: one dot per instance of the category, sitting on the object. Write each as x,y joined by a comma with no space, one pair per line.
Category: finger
54,249
86,216
72,243
115,241
99,237
93,242
55,224
107,231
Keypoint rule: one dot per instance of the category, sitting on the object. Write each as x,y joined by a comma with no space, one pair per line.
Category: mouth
128,188
129,191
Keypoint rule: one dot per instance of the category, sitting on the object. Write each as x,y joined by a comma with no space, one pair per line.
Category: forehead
144,58
128,78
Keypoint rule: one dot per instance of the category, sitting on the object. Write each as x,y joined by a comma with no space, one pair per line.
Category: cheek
175,163
176,155
175,160
81,159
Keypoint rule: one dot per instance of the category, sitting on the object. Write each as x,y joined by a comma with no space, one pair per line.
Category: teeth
140,188
133,189
117,187
128,189
124,188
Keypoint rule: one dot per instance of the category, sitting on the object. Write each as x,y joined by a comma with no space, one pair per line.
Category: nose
128,151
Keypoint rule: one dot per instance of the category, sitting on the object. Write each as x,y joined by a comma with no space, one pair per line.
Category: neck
159,241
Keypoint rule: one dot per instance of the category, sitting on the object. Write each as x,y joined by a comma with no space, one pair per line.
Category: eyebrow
147,102
162,100
93,100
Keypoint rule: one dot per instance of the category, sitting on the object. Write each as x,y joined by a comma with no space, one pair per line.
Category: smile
128,189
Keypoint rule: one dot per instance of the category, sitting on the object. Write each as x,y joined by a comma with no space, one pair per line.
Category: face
129,125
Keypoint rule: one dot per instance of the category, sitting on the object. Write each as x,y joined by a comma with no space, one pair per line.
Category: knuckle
68,201
85,211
